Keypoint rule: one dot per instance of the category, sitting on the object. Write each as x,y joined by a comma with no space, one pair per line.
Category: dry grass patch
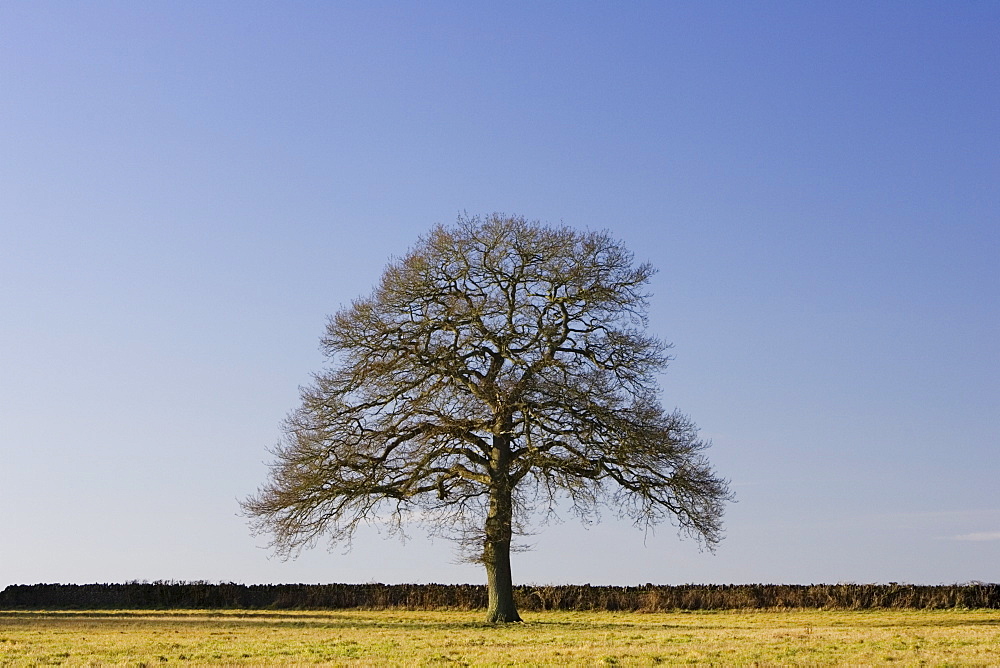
396,637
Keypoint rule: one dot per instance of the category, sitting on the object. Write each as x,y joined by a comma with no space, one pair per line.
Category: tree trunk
496,557
496,551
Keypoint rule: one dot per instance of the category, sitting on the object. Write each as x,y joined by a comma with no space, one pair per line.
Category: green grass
397,637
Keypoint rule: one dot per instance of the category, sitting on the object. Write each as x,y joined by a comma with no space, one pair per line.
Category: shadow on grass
417,620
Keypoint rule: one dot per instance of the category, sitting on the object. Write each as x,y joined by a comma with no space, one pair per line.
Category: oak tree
500,369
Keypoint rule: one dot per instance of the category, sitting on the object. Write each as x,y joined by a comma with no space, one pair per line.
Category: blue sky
188,189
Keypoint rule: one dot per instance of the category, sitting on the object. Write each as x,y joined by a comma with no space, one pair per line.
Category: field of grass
400,637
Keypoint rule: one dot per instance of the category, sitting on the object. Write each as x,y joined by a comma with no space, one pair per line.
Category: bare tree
499,367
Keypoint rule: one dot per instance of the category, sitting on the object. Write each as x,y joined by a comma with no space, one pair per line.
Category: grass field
398,637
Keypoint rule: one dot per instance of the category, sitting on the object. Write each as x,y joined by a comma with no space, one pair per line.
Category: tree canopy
499,368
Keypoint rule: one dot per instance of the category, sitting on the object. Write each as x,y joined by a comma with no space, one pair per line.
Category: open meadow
402,637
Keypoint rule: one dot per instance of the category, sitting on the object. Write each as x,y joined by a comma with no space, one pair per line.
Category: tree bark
496,551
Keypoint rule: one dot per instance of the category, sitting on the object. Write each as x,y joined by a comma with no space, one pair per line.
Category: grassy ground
458,638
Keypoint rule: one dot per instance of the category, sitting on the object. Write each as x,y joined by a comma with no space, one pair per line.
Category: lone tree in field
499,367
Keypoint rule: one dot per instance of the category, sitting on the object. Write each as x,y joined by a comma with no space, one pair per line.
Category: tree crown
497,354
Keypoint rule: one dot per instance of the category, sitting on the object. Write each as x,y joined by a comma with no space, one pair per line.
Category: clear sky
188,190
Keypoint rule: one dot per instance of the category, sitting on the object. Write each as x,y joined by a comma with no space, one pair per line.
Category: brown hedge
647,598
